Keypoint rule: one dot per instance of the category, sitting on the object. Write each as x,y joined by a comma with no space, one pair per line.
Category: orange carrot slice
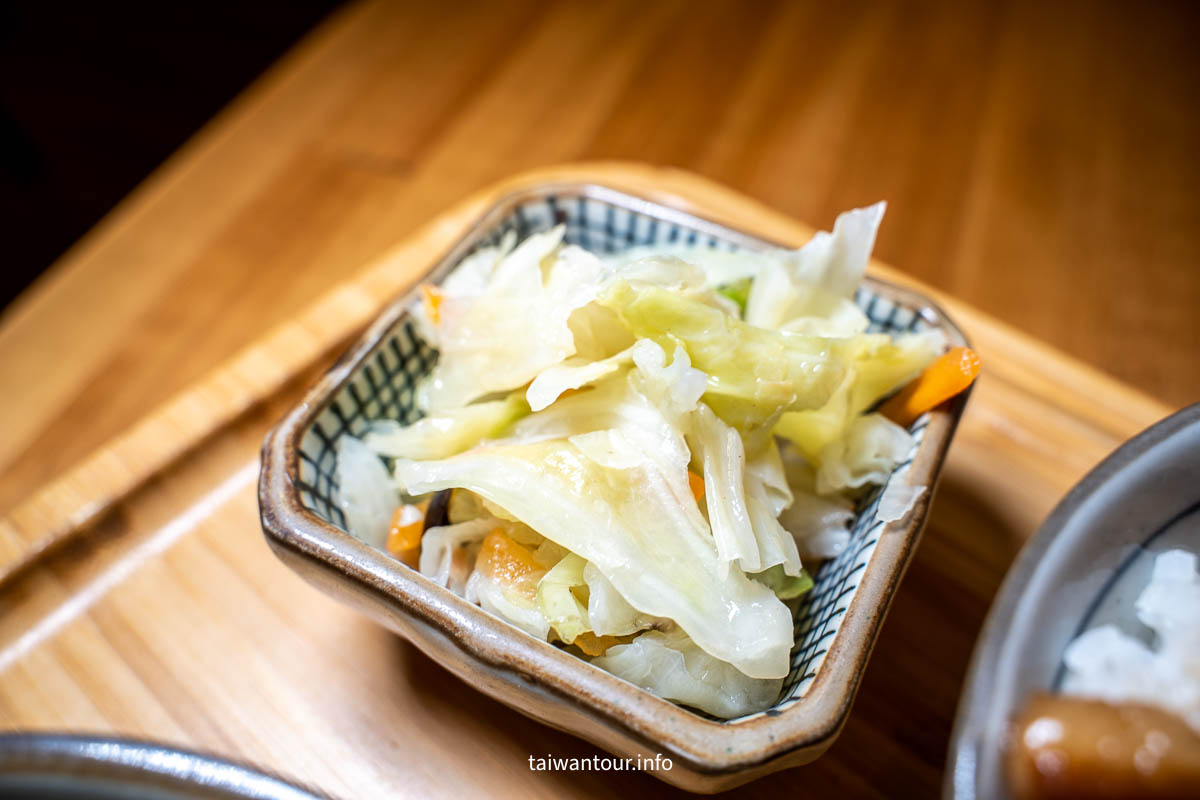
949,374
595,645
696,484
509,563
432,297
404,534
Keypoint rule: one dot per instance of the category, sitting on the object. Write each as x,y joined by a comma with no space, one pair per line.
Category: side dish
637,456
1128,721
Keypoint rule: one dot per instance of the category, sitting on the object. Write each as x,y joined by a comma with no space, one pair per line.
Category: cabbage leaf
878,366
366,495
440,545
753,373
444,433
609,613
502,338
513,607
744,527
640,527
671,666
870,450
785,587
573,373
567,615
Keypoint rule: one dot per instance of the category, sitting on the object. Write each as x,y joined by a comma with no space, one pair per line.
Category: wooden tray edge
68,504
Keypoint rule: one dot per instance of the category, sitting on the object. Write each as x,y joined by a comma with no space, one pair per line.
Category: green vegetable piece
878,365
738,291
785,587
444,433
754,374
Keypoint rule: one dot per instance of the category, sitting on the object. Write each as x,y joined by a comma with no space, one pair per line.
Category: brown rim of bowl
704,745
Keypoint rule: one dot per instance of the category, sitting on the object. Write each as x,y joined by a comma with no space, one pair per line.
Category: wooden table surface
1038,163
168,617
1039,159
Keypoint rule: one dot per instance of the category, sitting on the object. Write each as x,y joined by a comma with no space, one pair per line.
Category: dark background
93,97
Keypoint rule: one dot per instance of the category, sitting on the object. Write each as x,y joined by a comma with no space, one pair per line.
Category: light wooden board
1038,160
168,617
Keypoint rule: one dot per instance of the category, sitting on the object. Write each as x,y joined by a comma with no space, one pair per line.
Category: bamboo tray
138,596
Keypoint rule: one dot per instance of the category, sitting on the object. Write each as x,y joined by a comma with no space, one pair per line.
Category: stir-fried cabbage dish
637,456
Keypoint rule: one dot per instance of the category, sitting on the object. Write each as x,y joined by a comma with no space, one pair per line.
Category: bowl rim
960,781
112,763
703,745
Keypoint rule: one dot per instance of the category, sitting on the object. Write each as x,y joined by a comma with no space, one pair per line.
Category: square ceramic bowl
835,628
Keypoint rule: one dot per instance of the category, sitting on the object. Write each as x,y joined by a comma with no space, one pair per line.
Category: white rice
1108,664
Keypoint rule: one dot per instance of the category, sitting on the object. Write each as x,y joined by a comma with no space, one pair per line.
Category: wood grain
172,620
69,503
1039,160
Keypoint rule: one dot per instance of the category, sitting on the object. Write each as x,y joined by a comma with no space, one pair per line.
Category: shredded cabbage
609,613
744,526
878,366
636,527
673,667
754,373
572,374
557,601
819,279
820,524
523,612
670,434
785,587
898,499
366,494
440,544
445,433
870,450
501,339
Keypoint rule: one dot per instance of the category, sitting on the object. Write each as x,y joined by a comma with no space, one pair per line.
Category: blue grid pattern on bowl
383,387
